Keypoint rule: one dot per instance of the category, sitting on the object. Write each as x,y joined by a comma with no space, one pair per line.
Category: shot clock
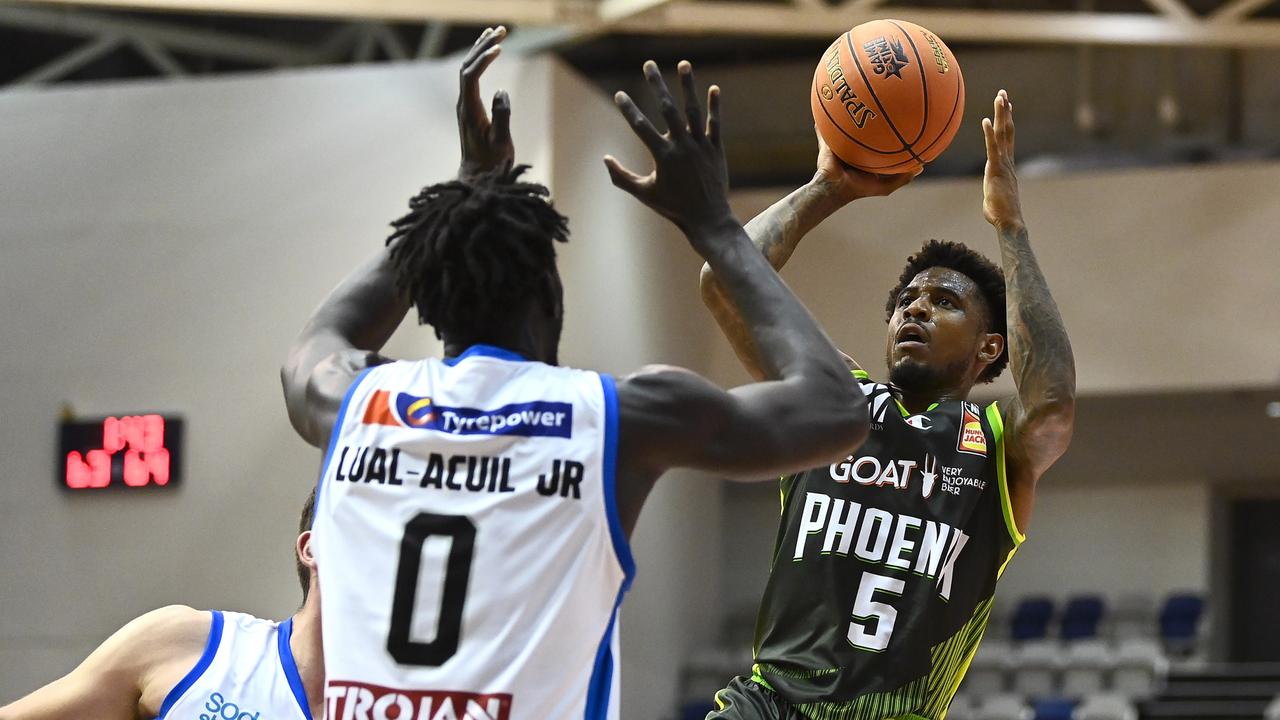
131,452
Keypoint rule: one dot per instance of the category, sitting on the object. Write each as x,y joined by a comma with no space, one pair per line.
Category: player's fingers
903,179
640,124
623,178
692,110
713,114
666,103
501,117
469,100
989,135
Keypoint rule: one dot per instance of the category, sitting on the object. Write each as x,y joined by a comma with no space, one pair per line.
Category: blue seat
1179,621
1031,618
1081,617
1053,709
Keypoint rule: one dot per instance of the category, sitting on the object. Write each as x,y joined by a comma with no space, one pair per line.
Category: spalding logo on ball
888,96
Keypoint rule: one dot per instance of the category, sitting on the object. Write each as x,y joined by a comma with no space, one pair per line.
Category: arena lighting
120,451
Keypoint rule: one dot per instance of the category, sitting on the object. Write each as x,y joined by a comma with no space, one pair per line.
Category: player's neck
920,401
308,655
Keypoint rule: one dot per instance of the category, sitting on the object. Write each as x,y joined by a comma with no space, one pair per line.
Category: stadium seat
1179,622
1053,709
1031,618
1002,707
1106,707
1134,616
1081,617
962,707
989,670
1085,668
1035,668
1140,669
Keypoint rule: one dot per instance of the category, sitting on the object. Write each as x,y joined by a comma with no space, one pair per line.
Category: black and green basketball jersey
886,563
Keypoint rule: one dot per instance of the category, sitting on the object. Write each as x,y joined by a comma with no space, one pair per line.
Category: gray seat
963,707
988,673
1085,668
1140,669
1272,712
1105,707
1133,617
1035,669
1002,707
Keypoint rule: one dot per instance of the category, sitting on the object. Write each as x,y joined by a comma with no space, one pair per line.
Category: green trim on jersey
1006,501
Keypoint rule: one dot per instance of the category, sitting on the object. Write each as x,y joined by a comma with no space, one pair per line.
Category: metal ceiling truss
362,29
1170,22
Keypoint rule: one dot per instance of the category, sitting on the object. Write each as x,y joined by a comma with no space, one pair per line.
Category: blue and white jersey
468,543
246,673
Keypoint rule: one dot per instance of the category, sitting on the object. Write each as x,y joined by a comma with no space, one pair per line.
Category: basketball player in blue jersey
473,513
187,664
887,559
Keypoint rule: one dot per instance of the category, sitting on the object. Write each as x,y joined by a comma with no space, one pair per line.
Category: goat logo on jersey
531,419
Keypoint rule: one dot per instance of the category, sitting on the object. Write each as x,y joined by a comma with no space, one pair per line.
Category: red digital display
131,451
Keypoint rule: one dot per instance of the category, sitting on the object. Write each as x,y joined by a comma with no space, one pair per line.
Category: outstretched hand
848,183
486,143
1000,204
689,184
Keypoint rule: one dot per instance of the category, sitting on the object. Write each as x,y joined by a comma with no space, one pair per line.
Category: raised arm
777,231
813,410
344,334
1039,419
126,677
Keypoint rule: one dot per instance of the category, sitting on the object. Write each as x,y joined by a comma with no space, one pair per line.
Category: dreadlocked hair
468,252
973,265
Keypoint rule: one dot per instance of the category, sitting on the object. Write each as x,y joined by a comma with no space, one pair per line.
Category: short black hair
304,524
973,265
470,251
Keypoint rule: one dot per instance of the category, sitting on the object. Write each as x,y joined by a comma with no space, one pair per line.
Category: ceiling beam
987,26
480,12
614,10
581,18
1172,9
174,37
1237,10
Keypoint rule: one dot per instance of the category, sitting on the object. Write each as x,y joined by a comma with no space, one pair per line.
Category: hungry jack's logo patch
972,439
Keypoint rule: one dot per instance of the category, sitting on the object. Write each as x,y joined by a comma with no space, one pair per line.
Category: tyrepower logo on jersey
972,440
220,708
346,700
531,419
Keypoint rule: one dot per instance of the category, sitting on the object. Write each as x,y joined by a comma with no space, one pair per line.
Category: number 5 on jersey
870,613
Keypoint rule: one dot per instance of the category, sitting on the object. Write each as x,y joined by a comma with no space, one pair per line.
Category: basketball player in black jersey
887,559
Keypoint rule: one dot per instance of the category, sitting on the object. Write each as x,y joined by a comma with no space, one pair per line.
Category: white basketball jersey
246,673
470,554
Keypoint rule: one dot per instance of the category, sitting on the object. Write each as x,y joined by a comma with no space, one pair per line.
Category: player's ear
303,550
992,345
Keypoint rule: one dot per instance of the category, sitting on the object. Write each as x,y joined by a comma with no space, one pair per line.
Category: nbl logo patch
972,439
531,419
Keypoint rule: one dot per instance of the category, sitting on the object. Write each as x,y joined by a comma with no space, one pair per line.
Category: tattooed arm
778,230
1039,420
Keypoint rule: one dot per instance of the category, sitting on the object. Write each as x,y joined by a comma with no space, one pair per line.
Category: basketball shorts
746,699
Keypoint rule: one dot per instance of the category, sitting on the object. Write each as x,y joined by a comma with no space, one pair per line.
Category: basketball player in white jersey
474,512
186,664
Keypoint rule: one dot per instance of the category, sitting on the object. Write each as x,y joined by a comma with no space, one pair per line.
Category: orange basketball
888,96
